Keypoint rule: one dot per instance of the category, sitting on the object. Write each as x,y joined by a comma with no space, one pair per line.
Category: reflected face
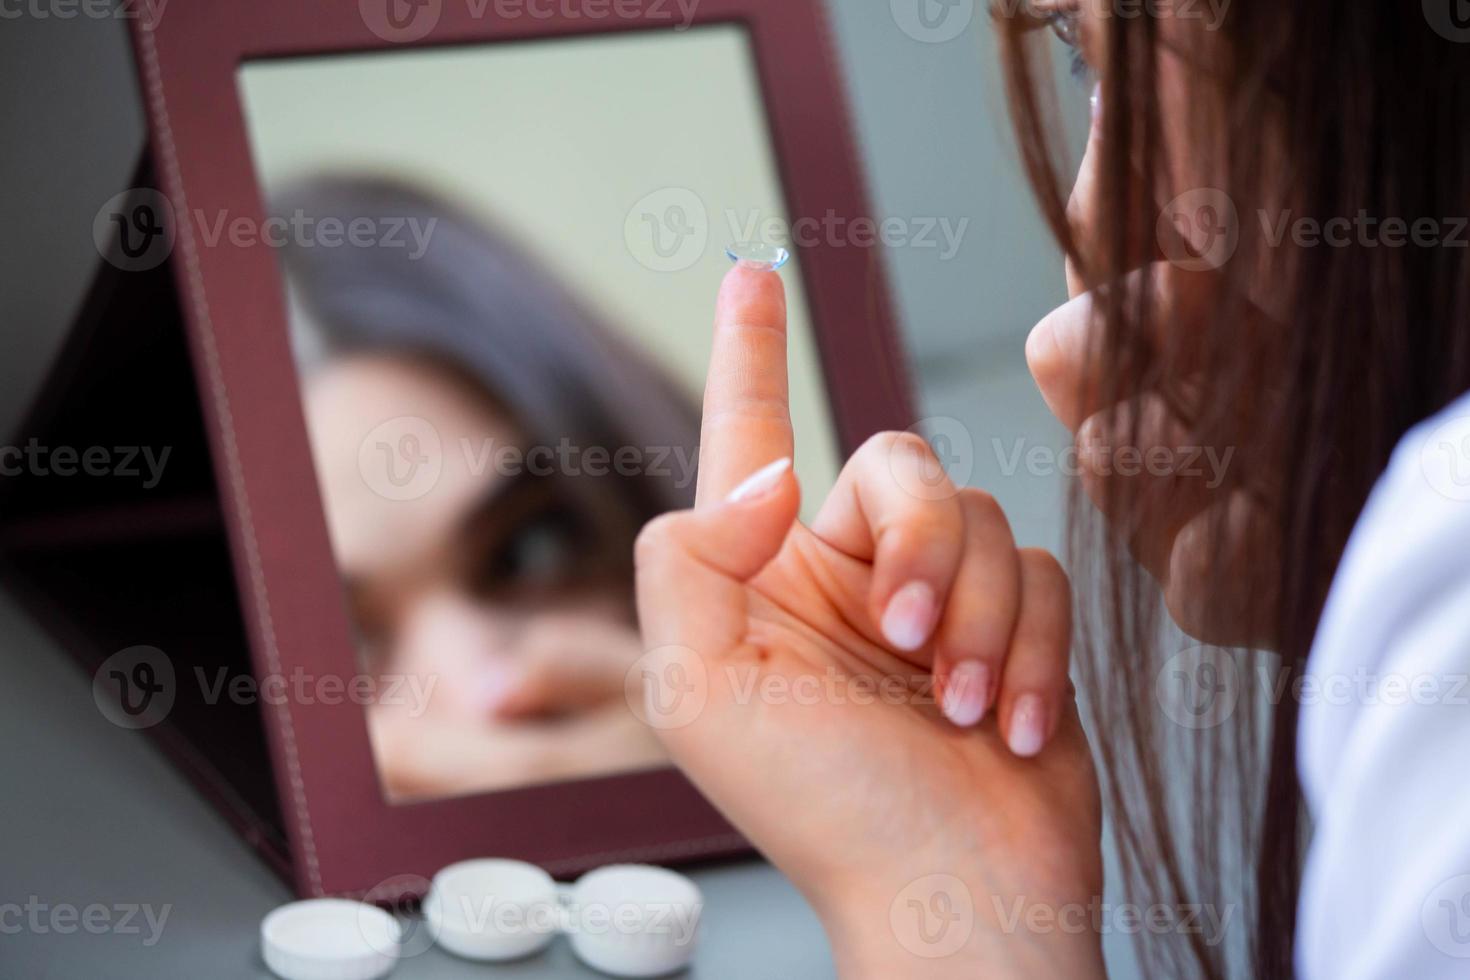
477,585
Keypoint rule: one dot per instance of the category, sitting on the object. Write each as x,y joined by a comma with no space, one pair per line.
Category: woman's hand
788,673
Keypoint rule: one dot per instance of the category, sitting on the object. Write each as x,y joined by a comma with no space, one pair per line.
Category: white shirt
1384,742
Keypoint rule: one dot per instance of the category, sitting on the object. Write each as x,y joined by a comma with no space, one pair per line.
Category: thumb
692,565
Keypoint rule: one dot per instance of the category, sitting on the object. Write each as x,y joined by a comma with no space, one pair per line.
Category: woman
499,585
1204,313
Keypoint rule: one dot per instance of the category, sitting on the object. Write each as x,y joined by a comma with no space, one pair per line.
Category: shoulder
1385,719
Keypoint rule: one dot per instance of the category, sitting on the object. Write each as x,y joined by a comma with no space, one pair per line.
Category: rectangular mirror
499,261
447,282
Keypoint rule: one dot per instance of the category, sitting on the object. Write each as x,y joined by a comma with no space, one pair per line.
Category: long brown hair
1310,362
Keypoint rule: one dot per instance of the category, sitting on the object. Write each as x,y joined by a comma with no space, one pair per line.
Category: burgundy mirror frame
343,835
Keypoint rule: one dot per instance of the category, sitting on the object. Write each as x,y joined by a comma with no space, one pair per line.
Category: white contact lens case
626,920
634,920
492,909
330,939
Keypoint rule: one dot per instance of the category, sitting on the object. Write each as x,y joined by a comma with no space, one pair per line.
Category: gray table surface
95,816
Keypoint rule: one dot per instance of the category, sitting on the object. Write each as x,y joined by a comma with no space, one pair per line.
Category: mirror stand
112,538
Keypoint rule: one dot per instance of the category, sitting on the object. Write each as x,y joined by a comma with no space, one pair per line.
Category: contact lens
758,255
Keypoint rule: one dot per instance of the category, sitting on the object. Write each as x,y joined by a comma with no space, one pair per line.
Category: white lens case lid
627,920
493,909
330,939
634,920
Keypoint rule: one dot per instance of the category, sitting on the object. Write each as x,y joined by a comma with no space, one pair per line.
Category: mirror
501,261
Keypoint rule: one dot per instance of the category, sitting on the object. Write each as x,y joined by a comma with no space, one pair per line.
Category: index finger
747,415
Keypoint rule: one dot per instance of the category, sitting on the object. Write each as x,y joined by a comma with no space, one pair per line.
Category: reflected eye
538,552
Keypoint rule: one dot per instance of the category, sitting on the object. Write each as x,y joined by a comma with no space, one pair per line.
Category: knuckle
982,505
896,453
917,531
876,445
911,443
1043,569
654,539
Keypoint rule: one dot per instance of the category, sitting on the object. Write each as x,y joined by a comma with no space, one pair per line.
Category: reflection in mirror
501,325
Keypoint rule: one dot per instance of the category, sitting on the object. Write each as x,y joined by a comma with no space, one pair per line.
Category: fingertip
756,294
1028,727
764,482
966,689
910,616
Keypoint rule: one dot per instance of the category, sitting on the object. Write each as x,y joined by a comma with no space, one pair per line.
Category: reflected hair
478,306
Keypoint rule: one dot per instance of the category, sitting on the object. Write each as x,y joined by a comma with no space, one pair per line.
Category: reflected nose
464,645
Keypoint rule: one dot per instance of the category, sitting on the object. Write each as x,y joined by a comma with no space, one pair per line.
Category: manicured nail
910,616
966,693
1028,725
761,481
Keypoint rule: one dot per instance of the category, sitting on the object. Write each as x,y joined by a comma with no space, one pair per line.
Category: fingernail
1028,725
761,481
910,616
1096,102
966,693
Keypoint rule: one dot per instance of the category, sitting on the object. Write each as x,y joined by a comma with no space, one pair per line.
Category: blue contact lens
758,255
